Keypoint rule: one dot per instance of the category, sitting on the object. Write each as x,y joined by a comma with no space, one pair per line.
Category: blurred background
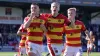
12,13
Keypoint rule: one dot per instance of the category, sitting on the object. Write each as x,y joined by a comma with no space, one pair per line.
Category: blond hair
55,3
72,9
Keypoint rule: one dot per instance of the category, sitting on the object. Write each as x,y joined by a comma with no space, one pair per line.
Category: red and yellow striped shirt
55,28
73,35
23,37
34,32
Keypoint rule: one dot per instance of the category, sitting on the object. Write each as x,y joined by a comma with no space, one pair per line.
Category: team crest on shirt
59,20
49,20
34,27
77,26
41,20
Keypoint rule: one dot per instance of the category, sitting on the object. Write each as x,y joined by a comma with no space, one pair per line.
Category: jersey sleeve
83,27
26,19
20,28
45,16
43,19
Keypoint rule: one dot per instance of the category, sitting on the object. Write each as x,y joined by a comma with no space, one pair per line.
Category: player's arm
94,45
43,25
87,38
19,32
86,31
28,22
93,38
92,35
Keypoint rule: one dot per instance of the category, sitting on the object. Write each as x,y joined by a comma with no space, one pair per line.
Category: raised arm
28,22
21,31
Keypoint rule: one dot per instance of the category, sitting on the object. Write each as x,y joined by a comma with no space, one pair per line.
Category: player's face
35,8
55,8
71,14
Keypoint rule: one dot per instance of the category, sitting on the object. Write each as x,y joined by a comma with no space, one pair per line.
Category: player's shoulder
61,14
45,14
78,21
42,17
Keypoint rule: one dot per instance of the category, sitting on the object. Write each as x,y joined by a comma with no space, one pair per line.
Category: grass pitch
44,54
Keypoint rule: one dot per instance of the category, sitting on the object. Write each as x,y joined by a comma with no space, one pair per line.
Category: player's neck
37,15
55,14
72,19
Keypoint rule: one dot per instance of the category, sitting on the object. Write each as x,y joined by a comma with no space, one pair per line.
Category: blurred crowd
8,35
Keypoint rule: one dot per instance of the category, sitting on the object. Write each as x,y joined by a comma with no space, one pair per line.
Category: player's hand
43,28
32,16
72,24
